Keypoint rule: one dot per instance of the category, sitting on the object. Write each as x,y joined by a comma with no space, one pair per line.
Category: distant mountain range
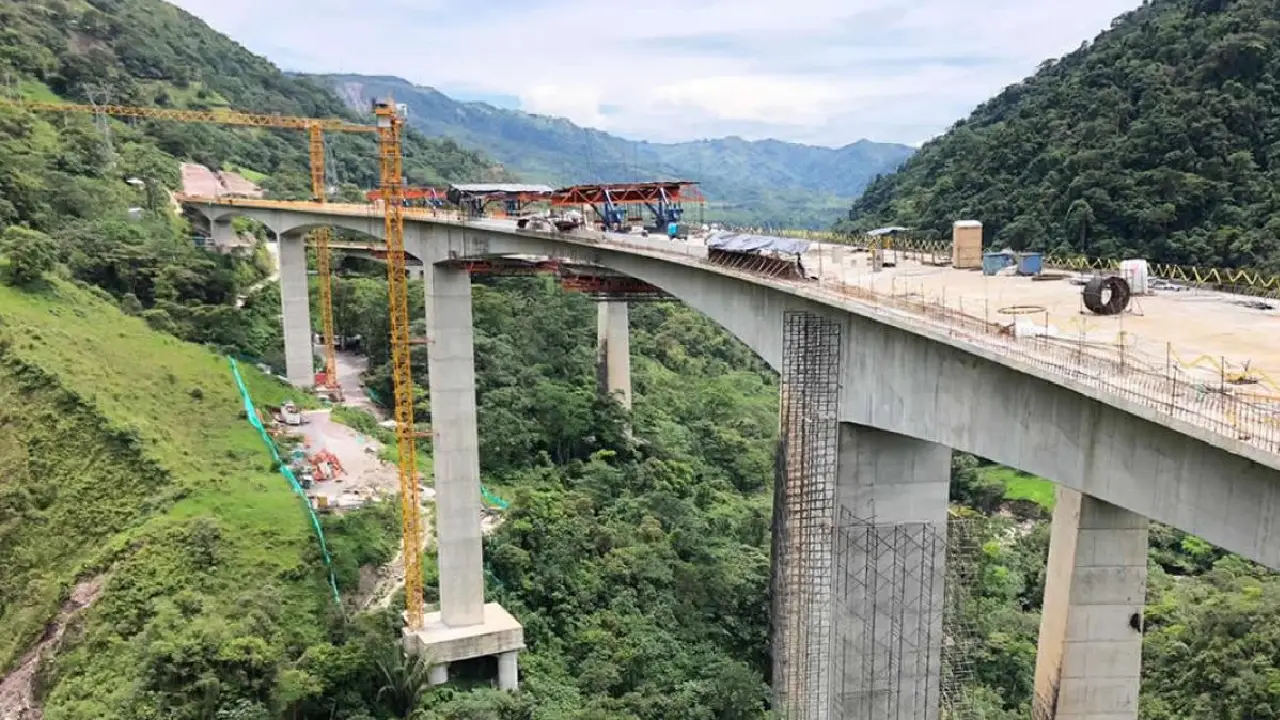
760,182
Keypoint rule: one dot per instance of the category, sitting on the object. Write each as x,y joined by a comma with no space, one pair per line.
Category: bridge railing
1223,396
1218,394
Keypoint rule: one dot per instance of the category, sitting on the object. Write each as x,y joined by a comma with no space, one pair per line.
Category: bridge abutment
296,310
464,627
613,350
1089,655
890,563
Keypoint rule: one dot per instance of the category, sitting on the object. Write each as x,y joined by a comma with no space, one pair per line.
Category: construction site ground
1202,328
368,478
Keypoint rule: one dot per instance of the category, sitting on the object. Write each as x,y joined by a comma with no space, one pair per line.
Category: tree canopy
1159,139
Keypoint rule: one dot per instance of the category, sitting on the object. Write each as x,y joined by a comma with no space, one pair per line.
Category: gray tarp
745,243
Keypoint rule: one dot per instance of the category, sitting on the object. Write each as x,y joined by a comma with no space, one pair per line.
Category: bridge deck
1194,330
1185,385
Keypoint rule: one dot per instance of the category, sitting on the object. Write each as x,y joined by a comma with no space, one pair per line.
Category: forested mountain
765,181
1160,139
148,52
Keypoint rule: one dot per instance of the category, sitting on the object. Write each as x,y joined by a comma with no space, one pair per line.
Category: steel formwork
804,502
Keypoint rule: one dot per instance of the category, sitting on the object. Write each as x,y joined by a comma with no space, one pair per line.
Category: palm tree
404,680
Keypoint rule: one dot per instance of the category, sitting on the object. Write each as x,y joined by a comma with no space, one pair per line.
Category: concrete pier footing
1089,658
296,309
890,563
613,348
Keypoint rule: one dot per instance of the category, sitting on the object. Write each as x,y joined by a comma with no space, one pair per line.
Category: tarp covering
894,230
746,243
501,188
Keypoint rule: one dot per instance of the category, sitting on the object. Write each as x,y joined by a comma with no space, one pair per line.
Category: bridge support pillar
889,576
613,350
465,627
296,310
1089,658
222,235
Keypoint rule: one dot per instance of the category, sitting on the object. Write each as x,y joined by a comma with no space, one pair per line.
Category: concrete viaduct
873,402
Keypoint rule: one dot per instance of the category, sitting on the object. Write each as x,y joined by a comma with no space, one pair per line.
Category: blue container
1030,263
994,262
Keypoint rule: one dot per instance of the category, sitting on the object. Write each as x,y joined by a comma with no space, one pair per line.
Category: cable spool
1107,295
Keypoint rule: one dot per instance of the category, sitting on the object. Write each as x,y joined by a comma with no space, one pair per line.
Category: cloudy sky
818,71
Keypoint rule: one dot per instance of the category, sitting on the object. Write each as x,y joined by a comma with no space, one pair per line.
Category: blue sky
826,72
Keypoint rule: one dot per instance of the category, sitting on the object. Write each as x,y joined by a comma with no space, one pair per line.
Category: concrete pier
222,235
1089,658
613,350
296,309
465,626
456,451
890,563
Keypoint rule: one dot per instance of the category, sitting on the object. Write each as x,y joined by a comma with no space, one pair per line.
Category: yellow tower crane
389,128
315,128
391,181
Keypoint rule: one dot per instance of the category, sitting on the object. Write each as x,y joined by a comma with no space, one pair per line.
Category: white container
1135,272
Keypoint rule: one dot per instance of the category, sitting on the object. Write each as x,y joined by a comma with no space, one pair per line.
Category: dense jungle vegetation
637,560
1160,139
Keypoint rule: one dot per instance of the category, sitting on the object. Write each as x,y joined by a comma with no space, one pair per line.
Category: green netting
492,499
288,474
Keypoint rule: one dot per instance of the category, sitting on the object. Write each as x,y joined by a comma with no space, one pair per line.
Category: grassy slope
130,469
1019,485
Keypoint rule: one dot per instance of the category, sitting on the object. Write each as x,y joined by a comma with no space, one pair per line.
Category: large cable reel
1108,295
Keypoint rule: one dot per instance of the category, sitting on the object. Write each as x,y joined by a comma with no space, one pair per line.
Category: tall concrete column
451,365
1089,658
613,350
296,308
889,567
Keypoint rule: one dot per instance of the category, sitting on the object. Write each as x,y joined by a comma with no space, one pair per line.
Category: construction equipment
289,414
326,466
390,123
315,128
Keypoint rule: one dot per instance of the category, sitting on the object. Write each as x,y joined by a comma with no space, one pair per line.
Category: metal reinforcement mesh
803,509
961,638
903,647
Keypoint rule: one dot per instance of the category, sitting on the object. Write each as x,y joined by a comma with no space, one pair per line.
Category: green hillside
1159,139
150,53
764,182
126,455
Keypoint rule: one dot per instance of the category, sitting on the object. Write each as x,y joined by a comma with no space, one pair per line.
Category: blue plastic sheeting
745,243
288,474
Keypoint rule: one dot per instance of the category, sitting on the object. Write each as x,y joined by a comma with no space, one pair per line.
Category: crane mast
391,181
320,239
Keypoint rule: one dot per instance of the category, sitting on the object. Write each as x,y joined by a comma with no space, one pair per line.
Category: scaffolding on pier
804,502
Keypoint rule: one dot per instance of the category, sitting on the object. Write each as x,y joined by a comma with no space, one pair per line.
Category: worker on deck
673,229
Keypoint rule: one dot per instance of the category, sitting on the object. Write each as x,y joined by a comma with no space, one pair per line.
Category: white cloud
579,103
822,71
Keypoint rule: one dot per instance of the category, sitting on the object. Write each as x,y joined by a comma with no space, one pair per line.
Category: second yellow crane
315,127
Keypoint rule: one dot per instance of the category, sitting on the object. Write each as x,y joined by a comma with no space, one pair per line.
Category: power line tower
101,120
